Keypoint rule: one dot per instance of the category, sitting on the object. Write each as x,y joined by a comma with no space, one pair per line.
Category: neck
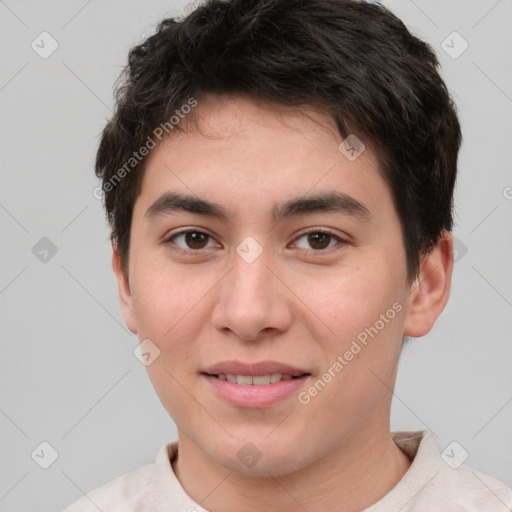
359,472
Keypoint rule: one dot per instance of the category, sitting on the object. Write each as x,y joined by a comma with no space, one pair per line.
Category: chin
259,456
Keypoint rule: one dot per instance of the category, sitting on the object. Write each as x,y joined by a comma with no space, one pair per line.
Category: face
293,263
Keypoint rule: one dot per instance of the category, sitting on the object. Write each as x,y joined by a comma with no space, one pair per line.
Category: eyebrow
337,202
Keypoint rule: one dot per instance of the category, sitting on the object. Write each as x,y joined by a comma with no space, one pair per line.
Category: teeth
260,380
256,380
243,379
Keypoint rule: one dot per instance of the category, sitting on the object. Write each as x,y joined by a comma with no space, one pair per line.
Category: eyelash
315,252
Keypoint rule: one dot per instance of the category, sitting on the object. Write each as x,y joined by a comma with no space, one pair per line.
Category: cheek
167,299
173,307
170,313
347,300
364,314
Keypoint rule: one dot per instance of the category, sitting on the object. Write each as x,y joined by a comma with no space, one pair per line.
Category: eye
193,240
318,240
190,240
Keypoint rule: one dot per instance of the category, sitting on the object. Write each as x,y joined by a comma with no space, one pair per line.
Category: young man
278,176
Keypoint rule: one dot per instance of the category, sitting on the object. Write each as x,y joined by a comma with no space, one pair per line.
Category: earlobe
125,294
430,291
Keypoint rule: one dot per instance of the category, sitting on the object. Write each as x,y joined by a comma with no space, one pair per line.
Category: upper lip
257,368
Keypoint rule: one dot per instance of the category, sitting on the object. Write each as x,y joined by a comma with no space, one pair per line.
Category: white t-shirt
431,484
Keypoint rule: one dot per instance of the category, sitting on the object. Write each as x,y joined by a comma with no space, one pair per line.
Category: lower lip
255,396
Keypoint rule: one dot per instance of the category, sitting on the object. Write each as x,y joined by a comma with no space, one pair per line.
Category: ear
123,287
430,291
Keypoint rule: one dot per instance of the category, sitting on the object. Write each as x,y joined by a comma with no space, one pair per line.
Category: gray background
68,375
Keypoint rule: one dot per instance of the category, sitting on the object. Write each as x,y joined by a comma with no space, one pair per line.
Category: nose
251,301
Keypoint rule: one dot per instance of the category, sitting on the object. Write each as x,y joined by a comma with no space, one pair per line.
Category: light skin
301,302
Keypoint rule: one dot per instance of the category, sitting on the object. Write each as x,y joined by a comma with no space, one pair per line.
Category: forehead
254,154
218,117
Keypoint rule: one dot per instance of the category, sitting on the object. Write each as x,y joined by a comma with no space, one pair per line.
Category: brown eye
317,241
190,240
196,239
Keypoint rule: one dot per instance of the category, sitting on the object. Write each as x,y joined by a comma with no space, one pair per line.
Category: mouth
254,386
